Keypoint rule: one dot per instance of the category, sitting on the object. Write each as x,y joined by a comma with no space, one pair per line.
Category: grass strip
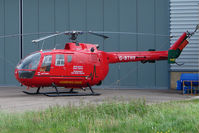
135,116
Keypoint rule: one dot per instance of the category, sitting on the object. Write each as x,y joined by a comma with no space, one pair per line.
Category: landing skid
43,93
72,94
58,93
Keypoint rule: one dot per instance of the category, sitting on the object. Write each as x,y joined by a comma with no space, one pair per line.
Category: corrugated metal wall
150,16
185,16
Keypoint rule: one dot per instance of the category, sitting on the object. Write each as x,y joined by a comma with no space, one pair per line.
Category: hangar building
154,17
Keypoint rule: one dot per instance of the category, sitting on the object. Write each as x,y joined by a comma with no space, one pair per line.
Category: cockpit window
59,60
30,62
46,64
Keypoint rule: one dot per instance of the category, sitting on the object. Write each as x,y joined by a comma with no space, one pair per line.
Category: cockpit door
45,67
59,65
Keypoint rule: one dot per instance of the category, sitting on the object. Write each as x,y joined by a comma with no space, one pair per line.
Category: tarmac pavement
12,99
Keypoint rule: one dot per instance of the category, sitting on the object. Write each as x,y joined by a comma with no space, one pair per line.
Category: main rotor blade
25,34
46,37
97,34
128,33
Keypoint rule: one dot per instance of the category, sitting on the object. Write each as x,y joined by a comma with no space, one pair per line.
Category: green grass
135,116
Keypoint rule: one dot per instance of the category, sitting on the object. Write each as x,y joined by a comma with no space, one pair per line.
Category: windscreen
30,62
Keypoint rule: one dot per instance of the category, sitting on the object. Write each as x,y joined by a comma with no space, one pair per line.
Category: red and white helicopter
81,65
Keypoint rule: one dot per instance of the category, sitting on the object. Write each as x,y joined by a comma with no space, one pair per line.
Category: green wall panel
111,23
162,42
30,25
61,21
128,23
2,51
77,17
47,20
146,24
94,21
12,47
142,16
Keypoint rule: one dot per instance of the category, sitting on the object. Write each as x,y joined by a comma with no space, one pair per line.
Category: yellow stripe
70,82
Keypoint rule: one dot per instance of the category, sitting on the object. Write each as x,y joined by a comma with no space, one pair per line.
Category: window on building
59,60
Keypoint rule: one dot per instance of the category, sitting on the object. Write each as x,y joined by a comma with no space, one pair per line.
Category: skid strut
58,93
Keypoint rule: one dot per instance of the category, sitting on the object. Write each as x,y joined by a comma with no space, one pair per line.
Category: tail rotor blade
197,27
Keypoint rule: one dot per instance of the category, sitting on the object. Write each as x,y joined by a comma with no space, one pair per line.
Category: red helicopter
81,65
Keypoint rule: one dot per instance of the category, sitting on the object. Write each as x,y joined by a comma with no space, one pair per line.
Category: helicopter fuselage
74,66
81,65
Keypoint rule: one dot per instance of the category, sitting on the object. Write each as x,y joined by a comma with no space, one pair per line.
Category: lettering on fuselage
78,70
43,73
126,58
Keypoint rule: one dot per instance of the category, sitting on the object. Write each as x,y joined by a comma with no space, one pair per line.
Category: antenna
192,33
42,45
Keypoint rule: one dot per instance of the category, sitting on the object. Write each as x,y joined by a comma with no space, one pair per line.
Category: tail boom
143,56
151,56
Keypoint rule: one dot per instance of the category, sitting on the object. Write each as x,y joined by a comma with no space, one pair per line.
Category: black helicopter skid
47,93
70,93
58,93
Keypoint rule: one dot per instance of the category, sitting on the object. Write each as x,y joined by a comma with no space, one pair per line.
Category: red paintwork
86,66
179,41
116,57
183,44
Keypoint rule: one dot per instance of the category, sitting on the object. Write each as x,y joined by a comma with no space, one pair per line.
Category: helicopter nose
18,78
24,76
17,74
